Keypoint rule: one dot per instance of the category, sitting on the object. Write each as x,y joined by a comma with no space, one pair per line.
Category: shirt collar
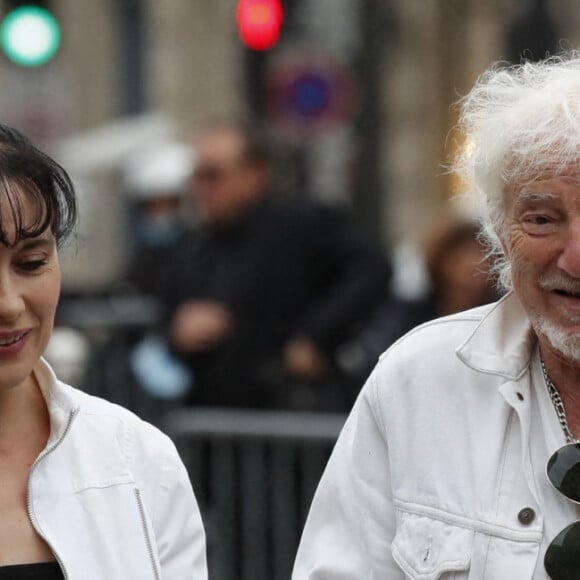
502,343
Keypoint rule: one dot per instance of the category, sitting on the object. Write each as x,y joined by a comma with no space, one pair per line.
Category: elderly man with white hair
461,457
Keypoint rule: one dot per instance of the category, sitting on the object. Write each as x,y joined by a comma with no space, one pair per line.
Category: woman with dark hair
87,490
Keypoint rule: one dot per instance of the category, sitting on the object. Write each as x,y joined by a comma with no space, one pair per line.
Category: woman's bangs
23,211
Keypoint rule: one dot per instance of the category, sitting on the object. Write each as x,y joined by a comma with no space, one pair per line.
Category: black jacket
283,270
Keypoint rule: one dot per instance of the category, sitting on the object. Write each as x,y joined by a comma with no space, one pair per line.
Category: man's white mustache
559,282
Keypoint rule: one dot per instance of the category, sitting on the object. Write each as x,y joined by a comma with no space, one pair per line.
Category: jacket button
526,516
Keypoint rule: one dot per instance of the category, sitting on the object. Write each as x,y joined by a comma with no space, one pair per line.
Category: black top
42,571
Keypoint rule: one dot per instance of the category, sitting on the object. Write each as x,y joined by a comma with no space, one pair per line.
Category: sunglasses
209,173
562,560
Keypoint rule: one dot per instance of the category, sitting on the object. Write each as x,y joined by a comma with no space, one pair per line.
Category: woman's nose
11,301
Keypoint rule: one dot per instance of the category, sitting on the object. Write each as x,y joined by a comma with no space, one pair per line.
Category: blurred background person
156,180
266,288
458,268
458,277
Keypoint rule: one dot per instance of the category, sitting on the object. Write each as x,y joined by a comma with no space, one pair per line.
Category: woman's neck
23,414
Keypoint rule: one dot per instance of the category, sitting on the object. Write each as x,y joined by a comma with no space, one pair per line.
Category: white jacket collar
60,399
502,342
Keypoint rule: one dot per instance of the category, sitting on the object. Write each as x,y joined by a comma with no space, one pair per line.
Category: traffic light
29,33
259,23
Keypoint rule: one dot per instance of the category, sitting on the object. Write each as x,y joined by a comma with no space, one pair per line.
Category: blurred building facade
379,145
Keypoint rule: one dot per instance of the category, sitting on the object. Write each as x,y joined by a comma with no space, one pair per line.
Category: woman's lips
8,340
12,343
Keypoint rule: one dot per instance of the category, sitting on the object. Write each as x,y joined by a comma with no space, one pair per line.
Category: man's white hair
519,121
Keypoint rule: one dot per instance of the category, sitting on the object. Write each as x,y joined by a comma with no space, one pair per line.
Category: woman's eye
31,265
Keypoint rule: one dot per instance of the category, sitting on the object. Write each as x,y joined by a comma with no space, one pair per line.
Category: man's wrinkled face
542,241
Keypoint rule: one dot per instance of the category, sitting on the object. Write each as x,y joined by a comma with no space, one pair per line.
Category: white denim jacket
110,494
431,476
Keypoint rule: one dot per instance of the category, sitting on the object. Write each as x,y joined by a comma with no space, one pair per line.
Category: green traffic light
29,36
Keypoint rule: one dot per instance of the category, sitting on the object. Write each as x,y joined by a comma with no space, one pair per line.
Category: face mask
158,230
158,372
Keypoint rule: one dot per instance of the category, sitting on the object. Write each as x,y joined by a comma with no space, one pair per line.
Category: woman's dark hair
26,169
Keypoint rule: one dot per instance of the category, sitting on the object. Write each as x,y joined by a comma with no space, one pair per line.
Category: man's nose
569,259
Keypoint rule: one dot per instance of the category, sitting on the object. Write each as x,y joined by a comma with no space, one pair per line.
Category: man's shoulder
423,369
301,207
444,331
431,348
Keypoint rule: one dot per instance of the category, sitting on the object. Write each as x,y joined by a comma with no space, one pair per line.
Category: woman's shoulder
94,416
98,417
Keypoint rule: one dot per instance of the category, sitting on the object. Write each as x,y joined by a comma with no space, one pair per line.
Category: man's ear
504,244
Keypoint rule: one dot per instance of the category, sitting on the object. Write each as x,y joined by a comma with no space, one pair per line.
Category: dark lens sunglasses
562,560
209,173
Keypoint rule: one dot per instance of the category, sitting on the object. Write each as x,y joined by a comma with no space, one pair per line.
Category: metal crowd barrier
254,474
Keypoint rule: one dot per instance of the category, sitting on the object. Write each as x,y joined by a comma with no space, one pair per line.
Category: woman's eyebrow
37,243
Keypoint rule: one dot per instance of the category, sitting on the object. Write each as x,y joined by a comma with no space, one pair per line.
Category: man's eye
537,223
537,219
31,265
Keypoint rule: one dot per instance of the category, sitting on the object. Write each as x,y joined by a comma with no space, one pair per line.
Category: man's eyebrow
528,197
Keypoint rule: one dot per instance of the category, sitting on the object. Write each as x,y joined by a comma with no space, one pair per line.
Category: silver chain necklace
558,404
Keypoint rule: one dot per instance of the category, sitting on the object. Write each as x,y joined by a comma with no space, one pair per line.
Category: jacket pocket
427,549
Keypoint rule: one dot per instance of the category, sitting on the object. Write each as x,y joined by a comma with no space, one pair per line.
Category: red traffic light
259,23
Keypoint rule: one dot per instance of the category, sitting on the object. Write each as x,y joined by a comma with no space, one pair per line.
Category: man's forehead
550,178
545,189
223,143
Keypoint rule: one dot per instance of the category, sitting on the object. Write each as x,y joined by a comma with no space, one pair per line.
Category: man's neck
565,375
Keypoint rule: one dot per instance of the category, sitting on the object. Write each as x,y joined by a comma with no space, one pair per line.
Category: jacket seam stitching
447,566
467,523
504,458
105,485
452,319
487,546
503,374
374,403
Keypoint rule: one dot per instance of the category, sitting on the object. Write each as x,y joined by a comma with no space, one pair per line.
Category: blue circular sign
310,96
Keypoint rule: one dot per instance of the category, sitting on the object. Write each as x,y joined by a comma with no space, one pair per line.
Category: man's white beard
565,343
